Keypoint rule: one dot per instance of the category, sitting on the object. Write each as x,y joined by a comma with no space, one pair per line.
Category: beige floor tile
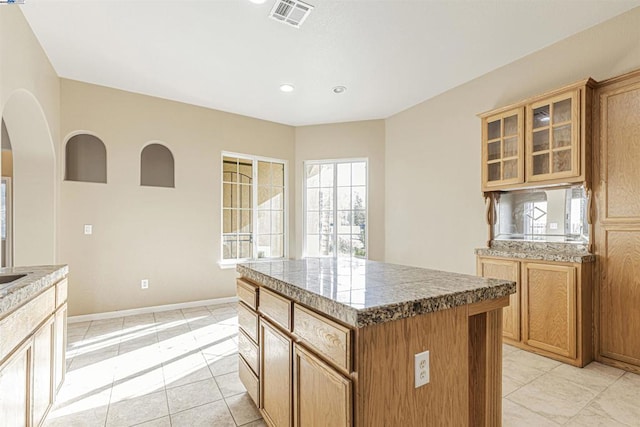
191,395
506,349
258,423
621,401
137,410
212,414
158,422
185,370
514,415
532,360
86,418
553,397
140,384
230,384
220,365
589,417
595,375
518,372
509,385
243,409
103,360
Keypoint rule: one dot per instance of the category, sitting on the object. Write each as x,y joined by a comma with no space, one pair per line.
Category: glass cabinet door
552,138
502,149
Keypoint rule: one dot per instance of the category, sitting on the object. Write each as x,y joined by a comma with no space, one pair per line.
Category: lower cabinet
551,312
275,374
14,387
59,347
322,396
42,393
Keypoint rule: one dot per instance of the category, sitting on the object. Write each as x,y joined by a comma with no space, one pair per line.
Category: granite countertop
362,292
37,279
542,251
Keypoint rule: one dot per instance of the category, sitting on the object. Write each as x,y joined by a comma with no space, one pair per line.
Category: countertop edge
39,278
536,255
380,314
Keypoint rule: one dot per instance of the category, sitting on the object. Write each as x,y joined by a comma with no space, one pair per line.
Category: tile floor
179,368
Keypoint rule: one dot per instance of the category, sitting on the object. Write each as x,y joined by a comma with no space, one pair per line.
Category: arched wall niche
157,168
85,158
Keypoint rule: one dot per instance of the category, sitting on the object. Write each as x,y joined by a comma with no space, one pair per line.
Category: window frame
335,162
230,263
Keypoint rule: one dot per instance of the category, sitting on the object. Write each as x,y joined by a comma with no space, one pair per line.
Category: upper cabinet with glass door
556,140
503,148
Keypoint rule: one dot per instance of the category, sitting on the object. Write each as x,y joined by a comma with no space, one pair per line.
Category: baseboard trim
145,310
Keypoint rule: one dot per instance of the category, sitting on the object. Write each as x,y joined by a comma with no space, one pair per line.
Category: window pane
277,222
326,198
313,222
326,175
277,174
326,244
359,219
359,176
227,226
244,247
344,222
344,174
493,129
359,197
264,173
277,198
313,199
264,197
229,195
264,246
246,225
313,245
264,222
229,169
229,248
277,246
358,245
344,198
313,176
245,196
246,172
326,222
344,246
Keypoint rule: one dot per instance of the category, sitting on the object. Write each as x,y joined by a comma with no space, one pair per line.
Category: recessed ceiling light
339,89
257,1
286,88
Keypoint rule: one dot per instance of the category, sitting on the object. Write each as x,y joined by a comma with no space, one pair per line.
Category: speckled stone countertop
543,251
361,293
37,279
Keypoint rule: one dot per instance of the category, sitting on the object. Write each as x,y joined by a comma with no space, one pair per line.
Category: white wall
434,208
170,236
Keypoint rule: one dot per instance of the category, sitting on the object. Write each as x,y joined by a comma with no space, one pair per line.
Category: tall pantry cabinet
617,224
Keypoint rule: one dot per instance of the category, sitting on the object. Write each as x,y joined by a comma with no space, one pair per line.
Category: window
336,208
253,207
86,159
156,166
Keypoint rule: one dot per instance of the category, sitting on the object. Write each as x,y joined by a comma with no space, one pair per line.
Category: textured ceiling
230,56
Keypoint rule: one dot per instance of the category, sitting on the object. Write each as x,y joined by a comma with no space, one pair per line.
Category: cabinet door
553,138
549,307
506,270
502,149
42,395
60,343
275,375
14,388
322,396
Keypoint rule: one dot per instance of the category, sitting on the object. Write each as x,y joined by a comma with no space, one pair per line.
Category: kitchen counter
37,279
362,292
541,251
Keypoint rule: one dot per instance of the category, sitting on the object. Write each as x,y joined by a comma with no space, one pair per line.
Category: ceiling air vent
291,12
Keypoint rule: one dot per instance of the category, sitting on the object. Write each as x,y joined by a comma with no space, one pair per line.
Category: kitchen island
334,342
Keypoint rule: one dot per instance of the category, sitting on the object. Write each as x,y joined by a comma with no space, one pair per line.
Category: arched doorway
33,180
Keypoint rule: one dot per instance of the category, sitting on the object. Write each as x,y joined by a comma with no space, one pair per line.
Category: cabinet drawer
276,308
248,321
249,351
250,381
248,293
328,338
61,292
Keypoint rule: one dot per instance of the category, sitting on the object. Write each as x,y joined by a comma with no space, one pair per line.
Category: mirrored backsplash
543,215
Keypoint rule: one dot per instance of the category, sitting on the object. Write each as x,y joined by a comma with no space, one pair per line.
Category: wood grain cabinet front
551,313
275,375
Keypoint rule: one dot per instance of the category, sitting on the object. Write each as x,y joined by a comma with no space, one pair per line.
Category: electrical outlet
421,368
144,283
88,229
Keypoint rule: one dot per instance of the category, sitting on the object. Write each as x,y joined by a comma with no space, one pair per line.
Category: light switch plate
88,229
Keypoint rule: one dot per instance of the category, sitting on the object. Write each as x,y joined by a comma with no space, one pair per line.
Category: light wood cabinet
551,314
275,375
617,224
32,357
322,396
543,140
507,270
549,318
